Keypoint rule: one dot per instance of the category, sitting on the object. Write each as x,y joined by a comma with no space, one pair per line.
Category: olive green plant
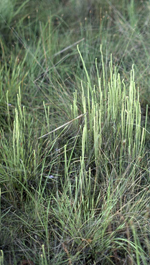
74,171
96,214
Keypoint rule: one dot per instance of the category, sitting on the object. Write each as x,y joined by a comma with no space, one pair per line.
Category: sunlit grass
2,258
74,170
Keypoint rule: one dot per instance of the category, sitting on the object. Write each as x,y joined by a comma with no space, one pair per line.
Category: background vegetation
74,132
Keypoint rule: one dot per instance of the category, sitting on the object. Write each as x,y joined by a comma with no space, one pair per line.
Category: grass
74,133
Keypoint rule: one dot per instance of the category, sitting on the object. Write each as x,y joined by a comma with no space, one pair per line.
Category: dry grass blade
62,126
70,46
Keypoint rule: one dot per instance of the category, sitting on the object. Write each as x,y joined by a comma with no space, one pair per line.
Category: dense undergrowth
74,132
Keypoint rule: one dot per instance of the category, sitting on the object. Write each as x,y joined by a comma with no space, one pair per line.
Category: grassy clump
74,138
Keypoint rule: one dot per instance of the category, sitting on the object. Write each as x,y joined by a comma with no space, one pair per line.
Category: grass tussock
74,133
